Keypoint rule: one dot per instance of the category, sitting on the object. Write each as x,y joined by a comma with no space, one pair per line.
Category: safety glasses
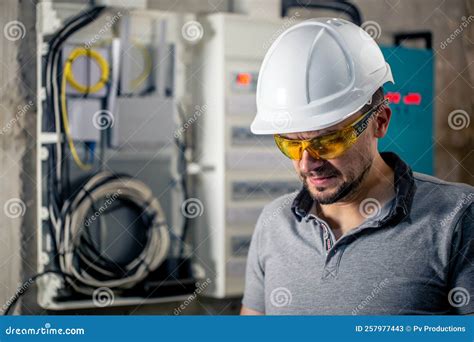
328,146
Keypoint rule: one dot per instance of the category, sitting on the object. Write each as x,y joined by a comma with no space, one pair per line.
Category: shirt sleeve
254,294
461,287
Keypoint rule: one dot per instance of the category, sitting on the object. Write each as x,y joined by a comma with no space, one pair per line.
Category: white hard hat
316,74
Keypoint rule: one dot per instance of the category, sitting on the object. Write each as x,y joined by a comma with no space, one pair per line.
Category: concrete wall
17,146
454,90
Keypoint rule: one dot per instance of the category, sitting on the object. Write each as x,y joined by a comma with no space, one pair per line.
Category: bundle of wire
52,83
57,184
79,256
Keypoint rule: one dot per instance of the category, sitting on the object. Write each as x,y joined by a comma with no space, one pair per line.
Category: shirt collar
404,184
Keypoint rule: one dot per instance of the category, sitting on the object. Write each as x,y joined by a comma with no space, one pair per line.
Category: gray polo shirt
416,256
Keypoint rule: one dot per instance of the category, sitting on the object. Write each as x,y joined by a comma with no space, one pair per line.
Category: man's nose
308,163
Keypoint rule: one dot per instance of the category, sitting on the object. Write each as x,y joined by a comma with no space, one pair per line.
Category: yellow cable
75,156
147,61
68,76
147,68
98,58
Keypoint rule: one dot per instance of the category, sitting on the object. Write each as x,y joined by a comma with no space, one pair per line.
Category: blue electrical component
410,133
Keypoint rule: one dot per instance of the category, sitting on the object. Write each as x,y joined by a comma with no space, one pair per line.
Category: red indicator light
393,97
412,99
244,78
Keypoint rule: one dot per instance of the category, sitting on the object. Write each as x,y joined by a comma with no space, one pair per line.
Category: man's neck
347,214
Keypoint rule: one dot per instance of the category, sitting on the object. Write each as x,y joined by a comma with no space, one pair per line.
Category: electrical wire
51,83
72,25
88,18
72,147
77,251
18,295
147,67
101,62
183,145
69,76
147,62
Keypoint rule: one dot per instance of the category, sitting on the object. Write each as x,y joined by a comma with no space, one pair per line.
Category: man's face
329,181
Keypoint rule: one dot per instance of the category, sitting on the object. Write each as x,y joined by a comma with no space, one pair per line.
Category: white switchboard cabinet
241,172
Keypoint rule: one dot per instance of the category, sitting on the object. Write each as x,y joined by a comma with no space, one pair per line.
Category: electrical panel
412,105
122,86
241,172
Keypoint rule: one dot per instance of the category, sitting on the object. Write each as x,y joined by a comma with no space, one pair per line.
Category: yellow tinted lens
332,145
290,148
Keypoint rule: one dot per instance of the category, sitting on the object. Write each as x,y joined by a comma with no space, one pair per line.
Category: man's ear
381,122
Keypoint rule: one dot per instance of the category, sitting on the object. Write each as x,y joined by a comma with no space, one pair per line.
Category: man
365,235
